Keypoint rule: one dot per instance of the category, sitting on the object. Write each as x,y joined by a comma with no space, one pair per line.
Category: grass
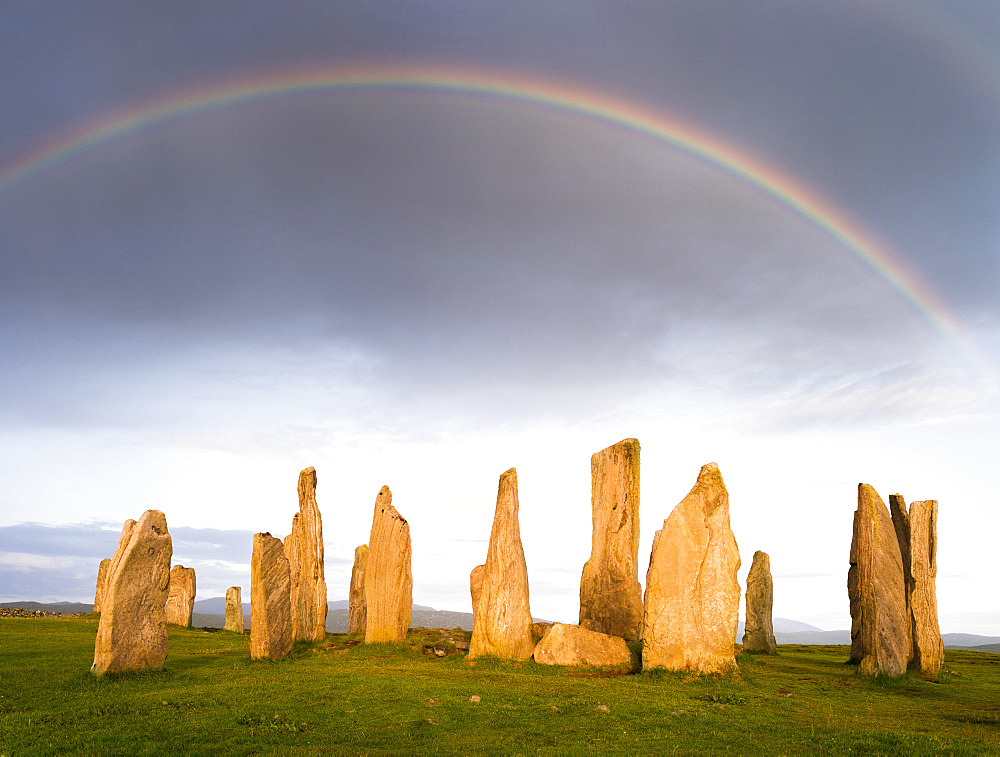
396,699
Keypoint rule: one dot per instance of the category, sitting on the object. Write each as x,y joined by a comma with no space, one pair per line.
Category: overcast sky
423,288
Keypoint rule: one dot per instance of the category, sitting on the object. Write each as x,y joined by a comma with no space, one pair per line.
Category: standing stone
270,603
180,598
358,608
916,531
102,584
234,609
610,595
132,632
305,553
476,586
692,597
758,633
501,623
880,625
388,580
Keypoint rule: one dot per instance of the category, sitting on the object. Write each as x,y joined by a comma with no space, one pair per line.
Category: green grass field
212,698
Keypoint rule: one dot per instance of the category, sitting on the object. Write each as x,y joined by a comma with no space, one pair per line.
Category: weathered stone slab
305,552
234,609
692,596
388,579
758,629
270,599
916,532
610,595
880,637
132,632
102,584
565,644
357,606
501,617
180,597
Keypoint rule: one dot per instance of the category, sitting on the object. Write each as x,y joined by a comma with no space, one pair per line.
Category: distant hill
63,607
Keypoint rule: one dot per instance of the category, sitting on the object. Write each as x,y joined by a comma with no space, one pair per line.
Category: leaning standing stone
270,605
501,623
234,609
102,584
357,606
610,595
180,598
692,597
880,624
758,630
305,552
132,632
388,580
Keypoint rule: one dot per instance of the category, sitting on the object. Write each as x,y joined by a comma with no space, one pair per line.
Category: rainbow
560,96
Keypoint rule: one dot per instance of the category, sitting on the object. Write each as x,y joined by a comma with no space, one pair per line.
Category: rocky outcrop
692,596
880,635
270,599
234,609
388,579
916,531
102,584
501,615
132,632
180,597
357,606
610,595
305,553
565,644
758,633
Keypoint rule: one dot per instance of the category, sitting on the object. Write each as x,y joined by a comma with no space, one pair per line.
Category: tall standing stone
501,616
357,606
758,633
102,584
880,624
132,632
270,601
305,553
916,531
234,609
692,597
388,579
610,595
180,597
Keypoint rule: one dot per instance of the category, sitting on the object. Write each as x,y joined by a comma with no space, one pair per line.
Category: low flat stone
565,644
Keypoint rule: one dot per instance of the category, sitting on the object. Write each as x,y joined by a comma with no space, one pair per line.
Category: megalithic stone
102,584
880,635
501,617
388,578
305,552
132,632
270,599
234,609
692,596
180,596
758,633
610,595
916,532
928,647
357,606
901,524
476,588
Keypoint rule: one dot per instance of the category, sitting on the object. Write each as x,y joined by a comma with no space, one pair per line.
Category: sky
419,243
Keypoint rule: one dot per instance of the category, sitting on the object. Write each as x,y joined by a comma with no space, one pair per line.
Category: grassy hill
396,699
